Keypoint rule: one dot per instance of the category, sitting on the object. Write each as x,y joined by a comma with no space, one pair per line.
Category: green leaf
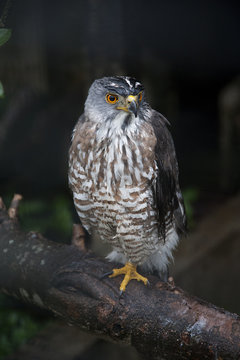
190,195
1,90
5,34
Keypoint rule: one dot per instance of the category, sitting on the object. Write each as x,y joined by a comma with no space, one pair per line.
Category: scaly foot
130,272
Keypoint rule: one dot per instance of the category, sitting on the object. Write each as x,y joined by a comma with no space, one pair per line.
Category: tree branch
160,321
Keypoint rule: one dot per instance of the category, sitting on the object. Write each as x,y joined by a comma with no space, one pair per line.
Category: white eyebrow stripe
128,82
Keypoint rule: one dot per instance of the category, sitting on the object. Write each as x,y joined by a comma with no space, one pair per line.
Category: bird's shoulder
164,149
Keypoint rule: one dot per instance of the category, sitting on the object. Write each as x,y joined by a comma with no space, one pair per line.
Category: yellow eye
140,97
111,99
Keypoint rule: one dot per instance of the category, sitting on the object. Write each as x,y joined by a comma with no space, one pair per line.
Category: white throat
116,128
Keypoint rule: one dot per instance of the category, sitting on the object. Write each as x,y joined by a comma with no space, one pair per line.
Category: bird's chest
119,165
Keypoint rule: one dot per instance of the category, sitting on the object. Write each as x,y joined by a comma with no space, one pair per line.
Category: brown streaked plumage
124,177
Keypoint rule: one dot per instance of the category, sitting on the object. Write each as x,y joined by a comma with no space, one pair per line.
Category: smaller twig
13,209
2,205
78,237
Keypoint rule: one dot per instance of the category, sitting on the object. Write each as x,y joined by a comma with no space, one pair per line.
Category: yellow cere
131,98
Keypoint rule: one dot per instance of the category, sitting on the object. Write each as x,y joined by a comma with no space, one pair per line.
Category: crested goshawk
123,174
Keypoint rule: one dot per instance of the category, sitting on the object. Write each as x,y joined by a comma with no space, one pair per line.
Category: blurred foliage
47,215
5,35
190,195
16,327
1,90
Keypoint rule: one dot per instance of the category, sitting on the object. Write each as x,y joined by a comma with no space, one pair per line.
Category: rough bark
161,321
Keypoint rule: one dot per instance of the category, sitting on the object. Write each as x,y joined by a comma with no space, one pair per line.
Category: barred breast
112,174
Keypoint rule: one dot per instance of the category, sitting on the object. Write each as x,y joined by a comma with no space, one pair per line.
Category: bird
124,177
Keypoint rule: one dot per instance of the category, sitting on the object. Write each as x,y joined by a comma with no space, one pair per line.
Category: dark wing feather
167,192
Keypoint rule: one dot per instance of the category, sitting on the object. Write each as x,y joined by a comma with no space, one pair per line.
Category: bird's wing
167,193
77,173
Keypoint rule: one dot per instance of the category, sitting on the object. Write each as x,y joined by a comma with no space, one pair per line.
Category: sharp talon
106,274
120,293
148,283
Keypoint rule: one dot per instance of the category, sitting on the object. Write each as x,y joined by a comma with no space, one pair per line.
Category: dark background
186,53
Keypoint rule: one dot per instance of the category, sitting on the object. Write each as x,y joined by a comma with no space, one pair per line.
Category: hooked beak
131,105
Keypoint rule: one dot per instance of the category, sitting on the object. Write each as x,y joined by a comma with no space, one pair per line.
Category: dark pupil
112,98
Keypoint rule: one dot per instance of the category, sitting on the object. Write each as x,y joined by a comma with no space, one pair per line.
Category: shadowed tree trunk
161,321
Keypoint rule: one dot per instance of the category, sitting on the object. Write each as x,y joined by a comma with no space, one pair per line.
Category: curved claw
106,275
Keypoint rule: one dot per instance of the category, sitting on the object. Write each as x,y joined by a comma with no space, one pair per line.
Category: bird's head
110,96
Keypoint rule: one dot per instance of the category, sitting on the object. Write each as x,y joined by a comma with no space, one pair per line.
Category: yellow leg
130,272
